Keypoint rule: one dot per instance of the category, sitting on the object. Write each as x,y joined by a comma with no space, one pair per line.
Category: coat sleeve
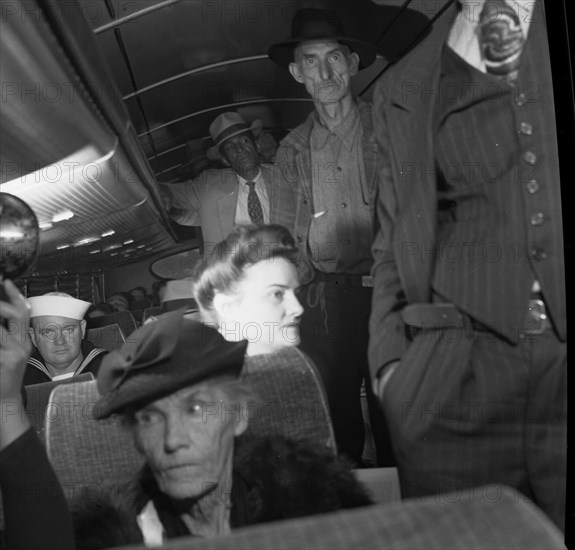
186,200
387,337
283,205
36,513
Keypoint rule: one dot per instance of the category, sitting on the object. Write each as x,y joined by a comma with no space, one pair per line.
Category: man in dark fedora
328,165
219,198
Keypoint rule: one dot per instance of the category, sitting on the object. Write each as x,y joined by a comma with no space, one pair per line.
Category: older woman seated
176,385
246,287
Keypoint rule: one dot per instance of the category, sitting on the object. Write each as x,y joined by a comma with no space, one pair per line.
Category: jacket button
535,253
299,238
521,99
537,218
525,128
344,204
530,157
532,186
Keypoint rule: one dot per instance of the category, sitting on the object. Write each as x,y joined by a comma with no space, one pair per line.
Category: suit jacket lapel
227,201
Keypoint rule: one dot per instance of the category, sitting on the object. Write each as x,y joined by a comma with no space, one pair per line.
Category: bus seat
293,400
124,319
109,337
142,304
381,483
37,399
86,452
150,312
438,522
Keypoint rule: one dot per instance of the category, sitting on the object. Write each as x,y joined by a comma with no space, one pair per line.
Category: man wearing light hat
57,332
328,196
220,198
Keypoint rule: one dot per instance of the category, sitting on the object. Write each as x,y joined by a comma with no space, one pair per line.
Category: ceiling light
45,225
62,246
62,216
108,233
129,241
11,234
87,240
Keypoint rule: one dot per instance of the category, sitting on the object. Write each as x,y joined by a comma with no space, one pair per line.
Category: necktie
501,39
254,205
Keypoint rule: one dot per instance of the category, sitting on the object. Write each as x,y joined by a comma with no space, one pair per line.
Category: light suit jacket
210,201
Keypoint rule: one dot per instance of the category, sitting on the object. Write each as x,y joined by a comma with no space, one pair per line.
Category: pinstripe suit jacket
406,249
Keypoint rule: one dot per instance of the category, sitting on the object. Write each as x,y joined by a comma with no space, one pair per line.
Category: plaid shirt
295,206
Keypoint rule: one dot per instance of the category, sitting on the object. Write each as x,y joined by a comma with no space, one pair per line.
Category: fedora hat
161,358
313,24
226,126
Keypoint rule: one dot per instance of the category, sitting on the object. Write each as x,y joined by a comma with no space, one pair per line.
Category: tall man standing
327,200
469,259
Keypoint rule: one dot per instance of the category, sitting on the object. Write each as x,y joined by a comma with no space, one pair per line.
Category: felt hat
161,358
312,25
226,126
179,294
59,304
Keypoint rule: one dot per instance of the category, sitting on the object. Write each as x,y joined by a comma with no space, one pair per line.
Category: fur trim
287,479
275,478
106,518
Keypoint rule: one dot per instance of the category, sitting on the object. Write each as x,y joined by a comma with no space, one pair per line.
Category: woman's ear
242,425
224,306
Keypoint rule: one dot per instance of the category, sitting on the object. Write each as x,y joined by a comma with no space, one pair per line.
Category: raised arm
183,200
36,514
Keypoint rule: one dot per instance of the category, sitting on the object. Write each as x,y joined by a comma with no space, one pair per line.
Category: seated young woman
245,287
175,383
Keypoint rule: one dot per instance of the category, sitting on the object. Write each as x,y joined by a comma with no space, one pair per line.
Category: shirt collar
257,179
345,130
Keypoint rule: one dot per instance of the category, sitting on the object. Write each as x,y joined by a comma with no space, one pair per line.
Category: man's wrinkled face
58,339
187,439
325,69
241,153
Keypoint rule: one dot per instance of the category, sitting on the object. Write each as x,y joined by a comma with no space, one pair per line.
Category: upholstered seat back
292,400
109,337
86,452
124,319
38,396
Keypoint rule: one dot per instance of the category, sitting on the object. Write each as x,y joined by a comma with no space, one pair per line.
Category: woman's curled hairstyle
224,266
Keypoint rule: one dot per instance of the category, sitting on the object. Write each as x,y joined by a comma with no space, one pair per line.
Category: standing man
218,199
469,259
327,200
57,332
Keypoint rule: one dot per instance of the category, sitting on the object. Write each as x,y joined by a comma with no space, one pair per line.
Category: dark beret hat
161,358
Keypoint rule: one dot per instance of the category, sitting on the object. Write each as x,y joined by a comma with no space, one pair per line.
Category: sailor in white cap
57,332
242,192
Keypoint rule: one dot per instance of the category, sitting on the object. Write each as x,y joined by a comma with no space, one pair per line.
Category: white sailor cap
59,304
